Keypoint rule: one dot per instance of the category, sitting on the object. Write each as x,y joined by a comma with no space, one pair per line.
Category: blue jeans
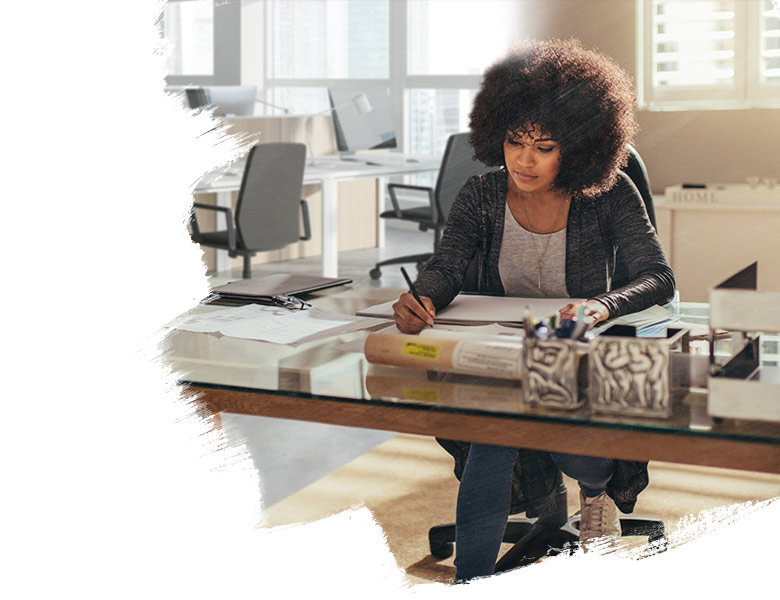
484,497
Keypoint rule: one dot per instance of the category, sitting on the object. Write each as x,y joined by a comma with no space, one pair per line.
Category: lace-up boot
599,523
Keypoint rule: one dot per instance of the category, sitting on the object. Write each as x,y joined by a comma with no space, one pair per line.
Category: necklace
540,259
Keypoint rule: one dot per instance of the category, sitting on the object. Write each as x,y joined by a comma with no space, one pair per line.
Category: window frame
768,92
226,48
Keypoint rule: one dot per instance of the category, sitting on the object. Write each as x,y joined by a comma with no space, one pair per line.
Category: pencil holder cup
630,375
554,372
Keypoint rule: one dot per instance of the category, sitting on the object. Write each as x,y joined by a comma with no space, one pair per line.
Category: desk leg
330,228
381,186
223,260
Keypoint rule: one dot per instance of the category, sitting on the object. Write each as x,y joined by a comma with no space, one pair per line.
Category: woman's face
532,160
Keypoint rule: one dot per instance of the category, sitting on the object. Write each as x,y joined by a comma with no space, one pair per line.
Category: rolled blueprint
488,357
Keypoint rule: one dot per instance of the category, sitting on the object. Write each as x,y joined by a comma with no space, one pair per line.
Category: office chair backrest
197,97
457,165
268,205
636,171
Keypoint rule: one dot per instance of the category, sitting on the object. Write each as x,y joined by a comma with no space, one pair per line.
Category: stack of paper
650,322
273,324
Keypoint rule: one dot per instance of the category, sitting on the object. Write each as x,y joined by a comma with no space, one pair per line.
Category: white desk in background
326,172
708,242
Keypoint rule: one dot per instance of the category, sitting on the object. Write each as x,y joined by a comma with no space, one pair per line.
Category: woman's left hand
593,308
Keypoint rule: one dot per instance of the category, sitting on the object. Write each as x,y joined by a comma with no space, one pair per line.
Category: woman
558,220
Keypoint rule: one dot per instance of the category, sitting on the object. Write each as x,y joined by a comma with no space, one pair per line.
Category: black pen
413,290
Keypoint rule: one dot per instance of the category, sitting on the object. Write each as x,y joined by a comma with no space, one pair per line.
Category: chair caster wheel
375,273
441,550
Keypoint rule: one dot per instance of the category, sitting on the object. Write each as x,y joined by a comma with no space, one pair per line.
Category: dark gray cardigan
607,237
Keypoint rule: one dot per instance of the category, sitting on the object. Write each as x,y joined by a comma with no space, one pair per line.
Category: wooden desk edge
572,438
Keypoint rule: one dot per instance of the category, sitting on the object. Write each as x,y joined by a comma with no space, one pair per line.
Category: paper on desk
272,324
474,309
700,330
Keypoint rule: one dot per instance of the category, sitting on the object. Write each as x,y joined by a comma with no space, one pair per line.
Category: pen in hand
413,290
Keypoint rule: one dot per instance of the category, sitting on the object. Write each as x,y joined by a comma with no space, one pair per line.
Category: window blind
769,52
693,44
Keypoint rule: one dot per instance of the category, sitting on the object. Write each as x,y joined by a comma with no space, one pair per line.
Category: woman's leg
598,514
592,473
483,509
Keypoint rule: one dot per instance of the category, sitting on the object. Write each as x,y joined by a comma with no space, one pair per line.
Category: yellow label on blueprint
420,350
423,395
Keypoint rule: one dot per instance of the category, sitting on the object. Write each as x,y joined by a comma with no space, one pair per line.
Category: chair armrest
391,187
228,219
306,223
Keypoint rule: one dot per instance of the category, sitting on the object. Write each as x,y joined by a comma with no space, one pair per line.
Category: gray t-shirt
518,264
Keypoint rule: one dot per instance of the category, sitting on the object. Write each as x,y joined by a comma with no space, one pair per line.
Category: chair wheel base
533,539
442,550
375,273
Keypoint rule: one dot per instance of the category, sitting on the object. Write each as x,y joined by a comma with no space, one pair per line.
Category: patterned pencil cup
632,376
554,372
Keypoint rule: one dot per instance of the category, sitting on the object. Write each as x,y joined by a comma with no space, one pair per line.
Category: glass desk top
335,370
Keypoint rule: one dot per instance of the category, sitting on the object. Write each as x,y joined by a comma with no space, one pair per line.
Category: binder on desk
262,290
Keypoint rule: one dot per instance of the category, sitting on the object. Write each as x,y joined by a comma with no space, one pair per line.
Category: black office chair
636,171
267,207
457,166
197,97
554,532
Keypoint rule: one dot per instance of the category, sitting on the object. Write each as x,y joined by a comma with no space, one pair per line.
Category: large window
333,39
435,114
188,27
457,38
430,55
448,45
316,44
709,52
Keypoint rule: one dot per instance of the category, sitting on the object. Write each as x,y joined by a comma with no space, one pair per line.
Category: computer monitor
226,100
362,131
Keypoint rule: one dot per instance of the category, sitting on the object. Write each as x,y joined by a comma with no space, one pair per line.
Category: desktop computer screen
356,130
226,100
233,100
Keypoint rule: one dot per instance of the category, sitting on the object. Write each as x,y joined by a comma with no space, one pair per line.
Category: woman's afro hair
578,97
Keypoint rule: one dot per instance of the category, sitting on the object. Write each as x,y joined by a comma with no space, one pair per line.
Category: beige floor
408,485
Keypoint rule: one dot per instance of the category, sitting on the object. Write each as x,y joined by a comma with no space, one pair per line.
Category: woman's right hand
409,316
